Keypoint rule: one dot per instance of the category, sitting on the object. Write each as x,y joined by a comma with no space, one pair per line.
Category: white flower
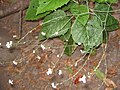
49,71
33,51
60,72
58,55
66,40
10,81
56,33
83,52
30,31
0,44
15,63
9,44
79,43
53,85
24,42
76,64
14,36
38,57
42,46
83,79
43,33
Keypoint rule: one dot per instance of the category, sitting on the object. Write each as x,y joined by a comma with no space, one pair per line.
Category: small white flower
56,33
0,44
79,43
36,37
49,71
76,64
42,46
38,57
10,81
83,52
43,33
24,42
53,85
15,63
33,51
9,44
83,79
58,55
31,31
60,72
66,40
14,36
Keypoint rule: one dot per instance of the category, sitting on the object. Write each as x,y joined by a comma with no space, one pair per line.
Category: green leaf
99,74
109,1
55,24
90,36
80,12
31,12
101,10
49,5
105,36
69,69
111,24
66,36
69,47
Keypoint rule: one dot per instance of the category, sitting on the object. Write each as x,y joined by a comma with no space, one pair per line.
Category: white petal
11,42
15,63
53,85
10,81
79,43
0,44
14,36
43,47
38,57
58,55
83,52
76,64
83,79
56,33
60,72
33,51
8,45
43,33
49,71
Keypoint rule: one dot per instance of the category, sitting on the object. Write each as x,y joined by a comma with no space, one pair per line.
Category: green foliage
69,69
55,24
90,36
73,22
49,5
31,12
109,1
80,12
99,74
69,46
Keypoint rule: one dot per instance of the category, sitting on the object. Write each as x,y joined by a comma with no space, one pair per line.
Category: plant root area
41,65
